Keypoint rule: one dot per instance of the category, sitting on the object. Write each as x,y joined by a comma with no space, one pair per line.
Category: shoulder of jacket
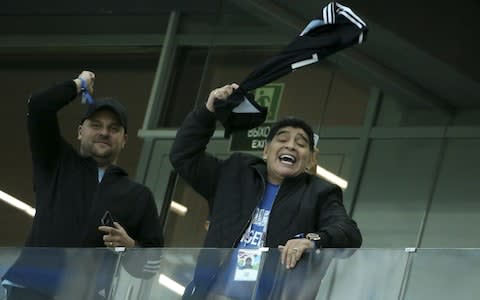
322,183
246,158
141,190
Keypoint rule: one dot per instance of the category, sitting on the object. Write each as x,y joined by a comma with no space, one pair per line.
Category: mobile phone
107,219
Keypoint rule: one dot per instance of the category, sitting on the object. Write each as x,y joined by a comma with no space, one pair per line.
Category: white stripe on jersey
351,13
351,19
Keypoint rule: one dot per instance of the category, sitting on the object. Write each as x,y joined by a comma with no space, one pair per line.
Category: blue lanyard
86,97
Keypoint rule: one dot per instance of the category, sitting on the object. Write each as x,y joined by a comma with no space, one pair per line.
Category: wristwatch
315,238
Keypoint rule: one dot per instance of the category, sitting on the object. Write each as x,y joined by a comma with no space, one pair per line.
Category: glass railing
171,273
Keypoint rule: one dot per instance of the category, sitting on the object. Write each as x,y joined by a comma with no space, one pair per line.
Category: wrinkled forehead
295,131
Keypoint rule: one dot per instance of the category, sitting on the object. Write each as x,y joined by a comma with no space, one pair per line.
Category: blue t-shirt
253,238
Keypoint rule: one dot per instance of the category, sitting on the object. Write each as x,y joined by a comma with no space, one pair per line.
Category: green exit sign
250,140
270,96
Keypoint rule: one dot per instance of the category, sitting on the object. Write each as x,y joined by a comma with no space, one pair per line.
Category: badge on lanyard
248,264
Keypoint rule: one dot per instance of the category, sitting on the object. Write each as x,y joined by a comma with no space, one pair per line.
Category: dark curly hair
295,123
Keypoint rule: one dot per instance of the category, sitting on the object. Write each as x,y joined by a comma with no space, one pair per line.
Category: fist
220,94
89,78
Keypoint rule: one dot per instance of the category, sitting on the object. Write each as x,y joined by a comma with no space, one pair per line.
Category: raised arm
188,154
42,122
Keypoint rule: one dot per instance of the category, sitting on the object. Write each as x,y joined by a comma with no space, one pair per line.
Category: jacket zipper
250,219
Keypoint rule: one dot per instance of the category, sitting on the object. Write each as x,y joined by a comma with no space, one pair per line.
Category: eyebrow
303,136
280,132
114,123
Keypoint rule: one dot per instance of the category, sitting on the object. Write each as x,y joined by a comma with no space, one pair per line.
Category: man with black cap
255,202
83,199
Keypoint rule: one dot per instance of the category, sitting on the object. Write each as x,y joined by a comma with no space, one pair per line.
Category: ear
312,164
125,139
265,151
79,132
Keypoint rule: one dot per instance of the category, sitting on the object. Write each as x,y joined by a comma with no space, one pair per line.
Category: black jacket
69,199
234,187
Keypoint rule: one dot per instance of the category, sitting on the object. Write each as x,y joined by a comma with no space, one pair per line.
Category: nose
104,131
290,144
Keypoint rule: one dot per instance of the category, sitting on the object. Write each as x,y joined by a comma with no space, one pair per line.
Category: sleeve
42,123
188,154
337,229
150,233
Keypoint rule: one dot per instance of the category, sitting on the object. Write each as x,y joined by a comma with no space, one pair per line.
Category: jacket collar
261,167
112,169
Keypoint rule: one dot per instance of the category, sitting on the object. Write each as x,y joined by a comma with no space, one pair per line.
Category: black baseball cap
109,104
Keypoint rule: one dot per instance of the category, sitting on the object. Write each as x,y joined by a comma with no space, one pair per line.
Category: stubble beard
103,158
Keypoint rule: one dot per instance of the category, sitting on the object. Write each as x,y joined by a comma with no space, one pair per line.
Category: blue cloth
253,238
86,96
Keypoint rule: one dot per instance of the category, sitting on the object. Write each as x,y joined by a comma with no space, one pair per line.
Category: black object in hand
107,219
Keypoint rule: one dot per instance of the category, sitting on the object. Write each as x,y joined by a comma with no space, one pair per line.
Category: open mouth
287,159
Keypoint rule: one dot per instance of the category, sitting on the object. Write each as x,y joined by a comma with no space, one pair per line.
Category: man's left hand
293,251
116,236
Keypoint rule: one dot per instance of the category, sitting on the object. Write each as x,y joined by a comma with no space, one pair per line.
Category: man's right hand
89,78
220,94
